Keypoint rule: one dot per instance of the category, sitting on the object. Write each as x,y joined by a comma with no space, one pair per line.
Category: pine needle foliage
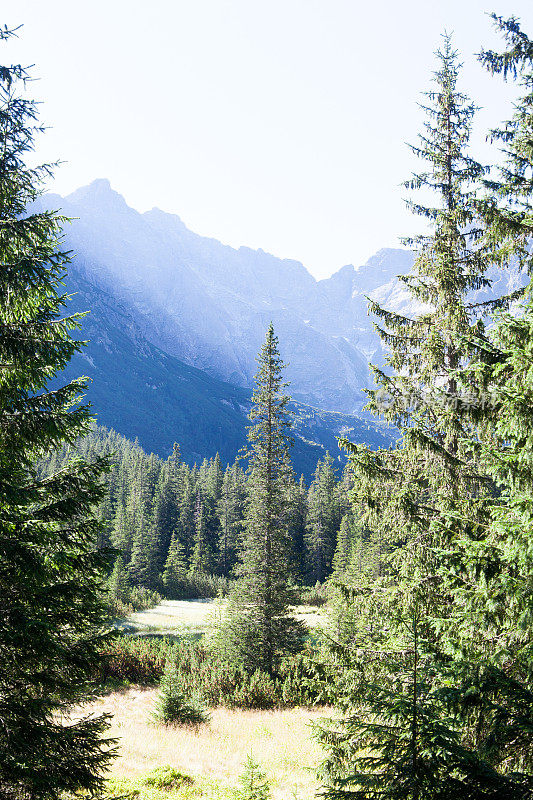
406,493
404,742
428,495
253,782
173,708
51,574
259,629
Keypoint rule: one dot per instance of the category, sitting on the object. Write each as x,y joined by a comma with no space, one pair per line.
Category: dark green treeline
179,529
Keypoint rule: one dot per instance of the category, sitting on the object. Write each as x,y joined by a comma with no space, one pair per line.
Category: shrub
316,595
138,598
142,598
253,782
199,585
201,673
166,778
172,707
135,660
257,690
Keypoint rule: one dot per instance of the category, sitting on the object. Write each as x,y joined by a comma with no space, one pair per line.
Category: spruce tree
405,494
408,495
403,742
119,589
323,521
297,508
175,571
491,567
51,574
202,558
259,629
229,510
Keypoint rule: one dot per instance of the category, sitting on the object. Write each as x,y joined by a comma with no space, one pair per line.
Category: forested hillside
179,529
145,393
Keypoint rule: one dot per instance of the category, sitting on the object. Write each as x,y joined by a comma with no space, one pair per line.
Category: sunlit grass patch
212,755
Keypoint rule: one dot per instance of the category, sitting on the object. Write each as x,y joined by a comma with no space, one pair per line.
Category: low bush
200,673
137,598
166,778
198,585
316,595
134,660
173,708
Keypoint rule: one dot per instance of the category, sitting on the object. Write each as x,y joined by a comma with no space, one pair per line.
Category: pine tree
343,550
172,707
253,782
408,495
202,558
259,629
165,516
119,589
409,747
323,521
51,574
297,509
491,567
175,571
229,510
508,209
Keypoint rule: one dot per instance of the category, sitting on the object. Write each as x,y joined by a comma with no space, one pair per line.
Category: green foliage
316,595
253,782
323,521
172,707
135,660
401,737
447,711
259,629
152,509
200,673
162,783
52,565
167,778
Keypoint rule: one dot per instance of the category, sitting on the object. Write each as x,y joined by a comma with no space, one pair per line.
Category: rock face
165,300
144,393
210,304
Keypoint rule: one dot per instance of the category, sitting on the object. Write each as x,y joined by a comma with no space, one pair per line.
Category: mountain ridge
146,394
209,304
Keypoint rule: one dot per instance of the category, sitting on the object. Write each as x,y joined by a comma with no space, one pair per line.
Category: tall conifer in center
259,629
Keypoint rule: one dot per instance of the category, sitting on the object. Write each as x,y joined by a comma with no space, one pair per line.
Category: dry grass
197,616
280,740
175,616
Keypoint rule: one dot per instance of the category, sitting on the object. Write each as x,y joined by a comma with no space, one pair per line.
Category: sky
279,124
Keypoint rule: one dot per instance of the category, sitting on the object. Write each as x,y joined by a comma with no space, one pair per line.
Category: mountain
177,320
209,304
144,393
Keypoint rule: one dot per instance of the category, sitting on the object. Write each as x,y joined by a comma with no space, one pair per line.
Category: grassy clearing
213,754
181,617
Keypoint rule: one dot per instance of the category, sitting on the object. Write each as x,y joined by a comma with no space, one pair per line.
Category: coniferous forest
420,556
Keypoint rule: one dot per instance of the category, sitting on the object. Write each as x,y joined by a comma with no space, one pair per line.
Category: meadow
175,617
213,754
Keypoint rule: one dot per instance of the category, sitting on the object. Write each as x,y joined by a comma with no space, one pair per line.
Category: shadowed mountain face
209,304
144,393
177,320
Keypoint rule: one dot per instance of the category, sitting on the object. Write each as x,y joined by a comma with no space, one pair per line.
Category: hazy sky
278,124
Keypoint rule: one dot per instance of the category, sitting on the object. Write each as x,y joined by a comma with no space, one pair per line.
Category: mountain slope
144,393
209,304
